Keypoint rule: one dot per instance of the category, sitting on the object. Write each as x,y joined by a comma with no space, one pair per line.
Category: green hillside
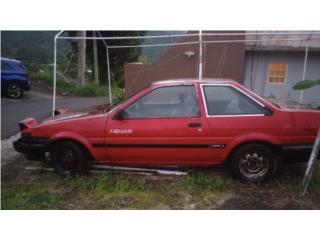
33,48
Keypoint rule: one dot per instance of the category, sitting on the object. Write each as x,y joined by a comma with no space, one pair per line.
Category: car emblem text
121,131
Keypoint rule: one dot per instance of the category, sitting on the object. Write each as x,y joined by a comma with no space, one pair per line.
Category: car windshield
117,104
23,67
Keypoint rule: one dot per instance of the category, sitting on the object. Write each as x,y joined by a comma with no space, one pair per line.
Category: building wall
220,60
256,74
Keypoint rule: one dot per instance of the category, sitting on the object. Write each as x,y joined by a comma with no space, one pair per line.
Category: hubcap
68,160
14,91
253,164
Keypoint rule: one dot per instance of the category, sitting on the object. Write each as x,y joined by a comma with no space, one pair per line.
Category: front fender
73,136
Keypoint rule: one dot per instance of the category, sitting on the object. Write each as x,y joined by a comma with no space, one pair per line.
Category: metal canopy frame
200,41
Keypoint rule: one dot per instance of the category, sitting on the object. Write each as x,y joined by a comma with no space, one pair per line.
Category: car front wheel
254,163
14,90
69,157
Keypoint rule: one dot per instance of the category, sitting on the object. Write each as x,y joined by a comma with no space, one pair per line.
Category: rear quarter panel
306,124
233,131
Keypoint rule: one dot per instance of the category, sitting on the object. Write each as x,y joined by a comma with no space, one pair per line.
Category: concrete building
268,64
181,61
273,67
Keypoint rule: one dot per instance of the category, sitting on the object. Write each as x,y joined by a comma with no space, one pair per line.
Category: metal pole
55,72
54,75
200,55
304,70
109,78
313,157
196,34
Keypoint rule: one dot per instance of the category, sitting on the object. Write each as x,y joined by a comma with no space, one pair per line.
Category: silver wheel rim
253,164
68,159
14,90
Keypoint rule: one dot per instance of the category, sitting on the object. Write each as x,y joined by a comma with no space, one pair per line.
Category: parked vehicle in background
176,123
14,78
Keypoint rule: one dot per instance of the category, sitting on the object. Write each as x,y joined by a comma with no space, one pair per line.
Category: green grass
200,181
122,190
45,77
25,196
70,88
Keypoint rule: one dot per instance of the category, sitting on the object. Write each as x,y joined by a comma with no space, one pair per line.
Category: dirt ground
211,188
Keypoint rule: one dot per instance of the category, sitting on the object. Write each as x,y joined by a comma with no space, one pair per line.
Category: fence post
311,164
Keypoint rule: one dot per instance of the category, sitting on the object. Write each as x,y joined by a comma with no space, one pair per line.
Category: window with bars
277,72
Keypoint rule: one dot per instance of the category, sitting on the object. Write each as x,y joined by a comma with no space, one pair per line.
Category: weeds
27,197
70,87
100,184
119,190
122,184
200,181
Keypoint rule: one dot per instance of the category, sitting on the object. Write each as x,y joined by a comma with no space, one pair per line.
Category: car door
163,127
233,115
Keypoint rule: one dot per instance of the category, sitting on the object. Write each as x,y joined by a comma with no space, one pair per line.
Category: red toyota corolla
176,123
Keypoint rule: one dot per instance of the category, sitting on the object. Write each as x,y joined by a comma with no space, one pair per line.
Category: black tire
69,157
14,90
254,163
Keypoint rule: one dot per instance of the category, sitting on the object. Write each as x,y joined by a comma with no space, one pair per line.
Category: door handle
194,124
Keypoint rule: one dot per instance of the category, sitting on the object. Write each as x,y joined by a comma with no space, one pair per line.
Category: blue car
14,78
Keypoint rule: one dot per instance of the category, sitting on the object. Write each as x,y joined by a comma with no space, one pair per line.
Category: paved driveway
37,105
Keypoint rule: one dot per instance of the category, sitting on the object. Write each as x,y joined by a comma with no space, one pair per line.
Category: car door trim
125,145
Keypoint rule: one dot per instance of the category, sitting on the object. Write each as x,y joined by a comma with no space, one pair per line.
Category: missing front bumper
34,148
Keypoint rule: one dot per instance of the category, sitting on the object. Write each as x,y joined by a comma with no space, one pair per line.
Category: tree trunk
95,59
81,59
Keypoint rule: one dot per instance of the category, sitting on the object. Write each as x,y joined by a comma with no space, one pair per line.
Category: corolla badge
121,131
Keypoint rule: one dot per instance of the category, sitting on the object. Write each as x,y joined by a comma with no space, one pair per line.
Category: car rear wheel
14,90
69,157
254,163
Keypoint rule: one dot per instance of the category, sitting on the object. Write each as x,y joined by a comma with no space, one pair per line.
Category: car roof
194,80
10,60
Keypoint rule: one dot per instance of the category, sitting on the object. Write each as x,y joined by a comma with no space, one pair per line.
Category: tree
95,59
118,57
81,59
305,84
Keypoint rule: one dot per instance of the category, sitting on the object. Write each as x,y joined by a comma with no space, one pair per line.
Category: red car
176,123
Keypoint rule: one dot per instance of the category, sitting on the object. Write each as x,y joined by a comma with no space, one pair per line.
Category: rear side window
5,66
226,100
166,102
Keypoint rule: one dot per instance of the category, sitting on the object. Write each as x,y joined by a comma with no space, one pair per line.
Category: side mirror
120,115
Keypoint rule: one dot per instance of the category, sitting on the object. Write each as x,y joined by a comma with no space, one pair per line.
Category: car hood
70,114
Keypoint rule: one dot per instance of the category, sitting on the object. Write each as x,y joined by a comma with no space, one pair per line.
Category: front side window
226,100
165,102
